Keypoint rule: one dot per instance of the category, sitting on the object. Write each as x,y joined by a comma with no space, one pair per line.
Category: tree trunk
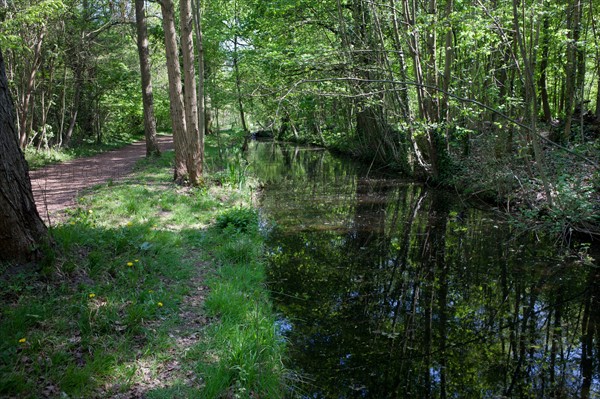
194,157
238,85
573,20
80,61
404,103
431,101
22,231
598,94
542,80
448,62
203,114
28,89
178,122
147,98
530,99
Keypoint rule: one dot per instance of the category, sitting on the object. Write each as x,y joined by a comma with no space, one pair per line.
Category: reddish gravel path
56,187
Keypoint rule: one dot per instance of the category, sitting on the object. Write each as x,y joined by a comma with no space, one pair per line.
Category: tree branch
456,97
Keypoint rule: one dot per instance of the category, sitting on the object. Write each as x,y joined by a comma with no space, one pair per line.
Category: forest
454,214
499,99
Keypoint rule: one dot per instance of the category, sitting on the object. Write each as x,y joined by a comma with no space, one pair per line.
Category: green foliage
241,219
243,350
22,15
127,258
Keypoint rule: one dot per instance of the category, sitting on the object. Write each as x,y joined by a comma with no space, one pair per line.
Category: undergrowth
120,309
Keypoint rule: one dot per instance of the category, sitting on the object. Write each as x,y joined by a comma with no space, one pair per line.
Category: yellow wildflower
129,264
90,211
92,295
137,260
160,304
129,224
22,340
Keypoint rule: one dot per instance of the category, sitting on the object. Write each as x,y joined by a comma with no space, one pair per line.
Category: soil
56,187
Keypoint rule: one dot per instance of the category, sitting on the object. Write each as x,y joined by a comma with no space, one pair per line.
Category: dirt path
56,187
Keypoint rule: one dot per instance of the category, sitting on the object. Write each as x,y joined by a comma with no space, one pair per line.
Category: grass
145,295
243,352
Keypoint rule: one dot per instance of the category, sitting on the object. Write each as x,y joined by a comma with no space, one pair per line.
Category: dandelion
129,264
90,211
92,295
137,260
129,224
22,340
160,304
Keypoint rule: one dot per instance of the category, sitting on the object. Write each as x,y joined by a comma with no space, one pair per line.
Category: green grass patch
243,350
122,306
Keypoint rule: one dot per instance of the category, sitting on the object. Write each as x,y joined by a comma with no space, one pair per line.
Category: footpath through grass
47,156
155,290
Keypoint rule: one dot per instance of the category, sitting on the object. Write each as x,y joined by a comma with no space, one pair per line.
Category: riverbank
146,295
477,167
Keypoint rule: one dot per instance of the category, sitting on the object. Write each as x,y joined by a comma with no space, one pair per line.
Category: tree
178,122
189,151
22,231
194,159
147,98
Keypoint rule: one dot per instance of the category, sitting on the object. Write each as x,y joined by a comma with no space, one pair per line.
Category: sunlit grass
111,313
243,351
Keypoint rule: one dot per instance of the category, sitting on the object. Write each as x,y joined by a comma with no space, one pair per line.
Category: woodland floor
56,187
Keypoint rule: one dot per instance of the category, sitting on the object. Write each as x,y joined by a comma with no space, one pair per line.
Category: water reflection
391,290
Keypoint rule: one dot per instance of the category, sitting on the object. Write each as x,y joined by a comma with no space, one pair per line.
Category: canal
389,289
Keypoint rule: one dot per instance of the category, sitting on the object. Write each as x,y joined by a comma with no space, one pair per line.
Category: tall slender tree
147,97
194,159
178,122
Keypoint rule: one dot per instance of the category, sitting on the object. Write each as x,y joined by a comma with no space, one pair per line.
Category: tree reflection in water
391,290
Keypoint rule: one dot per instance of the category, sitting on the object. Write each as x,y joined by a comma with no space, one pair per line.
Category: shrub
242,219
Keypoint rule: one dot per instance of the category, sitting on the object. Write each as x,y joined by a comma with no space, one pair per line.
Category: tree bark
448,61
203,115
542,80
194,159
22,231
573,21
80,60
236,68
238,84
147,98
178,122
28,88
530,99
598,94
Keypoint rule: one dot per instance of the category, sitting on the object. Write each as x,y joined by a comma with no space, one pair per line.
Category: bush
241,219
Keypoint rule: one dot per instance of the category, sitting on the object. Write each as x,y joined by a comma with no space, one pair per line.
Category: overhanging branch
454,96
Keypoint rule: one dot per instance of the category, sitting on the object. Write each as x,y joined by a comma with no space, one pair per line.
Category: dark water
391,290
